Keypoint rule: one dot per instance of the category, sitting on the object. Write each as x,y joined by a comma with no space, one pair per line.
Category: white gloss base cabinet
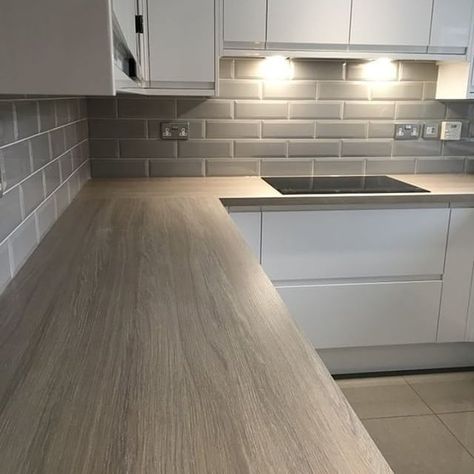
365,314
249,224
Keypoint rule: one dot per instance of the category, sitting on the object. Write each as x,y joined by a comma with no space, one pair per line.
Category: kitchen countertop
142,336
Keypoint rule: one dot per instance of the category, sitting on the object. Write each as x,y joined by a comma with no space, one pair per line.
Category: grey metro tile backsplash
329,119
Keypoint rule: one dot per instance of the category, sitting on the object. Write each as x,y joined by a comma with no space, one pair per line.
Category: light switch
407,131
431,131
174,130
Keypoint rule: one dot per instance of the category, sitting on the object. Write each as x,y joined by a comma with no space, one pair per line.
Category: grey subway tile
104,148
205,149
10,212
315,110
58,142
40,151
339,167
366,148
259,148
27,118
52,177
148,148
429,90
196,128
286,167
70,135
341,129
390,166
418,71
65,163
262,110
204,108
182,167
440,165
33,192
369,110
117,128
290,129
74,111
62,112
46,215
396,91
314,148
381,129
146,107
343,90
16,163
462,148
231,167
82,130
289,90
232,129
416,148
470,165
240,89
74,185
226,68
6,123
458,110
319,70
103,107
119,168
23,241
420,110
5,275
62,198
248,68
363,71
47,114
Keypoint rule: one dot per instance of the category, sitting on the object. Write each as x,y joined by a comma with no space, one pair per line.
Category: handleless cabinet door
451,26
401,25
300,24
249,224
181,43
124,13
245,24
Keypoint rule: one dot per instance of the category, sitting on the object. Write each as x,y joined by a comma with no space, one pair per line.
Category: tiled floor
423,424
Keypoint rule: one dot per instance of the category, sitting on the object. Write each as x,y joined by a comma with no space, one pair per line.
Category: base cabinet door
249,224
365,314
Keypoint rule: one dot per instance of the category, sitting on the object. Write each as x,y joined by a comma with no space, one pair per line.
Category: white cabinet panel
245,23
309,245
451,25
124,12
365,314
181,43
458,278
305,23
389,23
249,224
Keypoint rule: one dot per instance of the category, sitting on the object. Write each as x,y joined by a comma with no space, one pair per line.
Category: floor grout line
455,437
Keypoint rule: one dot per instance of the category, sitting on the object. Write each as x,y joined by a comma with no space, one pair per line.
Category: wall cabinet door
451,26
249,224
402,25
312,245
316,24
457,305
124,15
365,314
245,24
181,43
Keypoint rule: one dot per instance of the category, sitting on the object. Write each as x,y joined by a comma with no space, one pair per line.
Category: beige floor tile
383,397
419,445
445,393
462,426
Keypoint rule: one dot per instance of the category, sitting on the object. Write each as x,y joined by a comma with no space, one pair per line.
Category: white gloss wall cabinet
365,314
245,24
249,224
308,24
457,305
182,45
124,14
451,26
309,245
402,25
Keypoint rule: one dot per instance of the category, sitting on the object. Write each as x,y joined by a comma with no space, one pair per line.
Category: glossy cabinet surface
124,13
397,25
307,24
245,23
249,224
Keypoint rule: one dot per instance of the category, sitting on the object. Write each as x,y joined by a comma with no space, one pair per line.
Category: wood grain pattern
143,337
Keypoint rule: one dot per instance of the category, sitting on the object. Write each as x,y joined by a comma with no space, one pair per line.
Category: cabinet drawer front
309,245
366,314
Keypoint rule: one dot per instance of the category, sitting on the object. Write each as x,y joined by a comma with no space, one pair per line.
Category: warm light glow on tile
277,68
382,69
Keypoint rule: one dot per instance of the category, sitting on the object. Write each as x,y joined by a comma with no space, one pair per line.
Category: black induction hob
342,185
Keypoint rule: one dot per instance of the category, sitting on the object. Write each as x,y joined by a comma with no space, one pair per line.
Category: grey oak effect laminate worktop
143,337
